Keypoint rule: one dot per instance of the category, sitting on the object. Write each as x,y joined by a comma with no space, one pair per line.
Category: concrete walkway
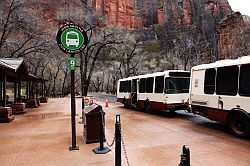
43,135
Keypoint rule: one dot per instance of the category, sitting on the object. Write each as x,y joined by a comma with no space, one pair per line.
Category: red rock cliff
127,13
231,36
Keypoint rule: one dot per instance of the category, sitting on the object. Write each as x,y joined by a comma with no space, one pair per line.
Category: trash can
93,117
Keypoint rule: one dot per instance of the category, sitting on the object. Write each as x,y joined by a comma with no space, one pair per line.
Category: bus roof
153,74
221,63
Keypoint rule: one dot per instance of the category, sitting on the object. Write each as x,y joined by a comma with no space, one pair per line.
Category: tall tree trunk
81,73
54,87
64,81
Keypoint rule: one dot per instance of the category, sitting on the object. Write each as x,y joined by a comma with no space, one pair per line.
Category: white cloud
243,6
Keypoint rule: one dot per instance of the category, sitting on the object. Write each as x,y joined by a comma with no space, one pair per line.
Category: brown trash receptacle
18,108
91,122
6,114
32,103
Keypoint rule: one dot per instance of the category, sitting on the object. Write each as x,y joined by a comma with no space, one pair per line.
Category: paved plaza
43,136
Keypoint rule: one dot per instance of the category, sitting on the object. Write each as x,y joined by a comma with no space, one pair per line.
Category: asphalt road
109,97
180,113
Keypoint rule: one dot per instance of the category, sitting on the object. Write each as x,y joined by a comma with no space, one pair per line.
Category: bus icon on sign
72,39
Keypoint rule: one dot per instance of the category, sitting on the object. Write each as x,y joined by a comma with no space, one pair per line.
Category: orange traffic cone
106,103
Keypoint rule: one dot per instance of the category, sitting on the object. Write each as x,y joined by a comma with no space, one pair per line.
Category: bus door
134,91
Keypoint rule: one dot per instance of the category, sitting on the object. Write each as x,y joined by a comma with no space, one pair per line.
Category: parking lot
43,137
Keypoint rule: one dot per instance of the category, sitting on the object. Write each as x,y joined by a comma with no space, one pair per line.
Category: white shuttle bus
220,91
166,90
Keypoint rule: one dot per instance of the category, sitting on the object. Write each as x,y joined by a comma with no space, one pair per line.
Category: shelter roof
15,68
11,63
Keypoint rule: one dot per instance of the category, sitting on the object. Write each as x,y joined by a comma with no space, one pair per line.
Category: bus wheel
148,108
239,125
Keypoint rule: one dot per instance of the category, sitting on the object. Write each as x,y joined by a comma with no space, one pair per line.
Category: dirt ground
43,137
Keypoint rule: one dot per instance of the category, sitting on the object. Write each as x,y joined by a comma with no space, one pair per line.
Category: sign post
71,39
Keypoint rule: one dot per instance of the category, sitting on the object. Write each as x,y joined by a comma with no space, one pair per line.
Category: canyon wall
232,37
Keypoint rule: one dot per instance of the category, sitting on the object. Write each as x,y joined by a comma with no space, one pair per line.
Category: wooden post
4,88
27,89
43,88
15,92
29,84
36,84
19,93
1,90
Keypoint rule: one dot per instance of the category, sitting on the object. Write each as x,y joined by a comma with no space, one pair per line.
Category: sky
243,6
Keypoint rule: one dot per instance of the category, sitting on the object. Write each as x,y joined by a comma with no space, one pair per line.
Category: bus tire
239,125
148,108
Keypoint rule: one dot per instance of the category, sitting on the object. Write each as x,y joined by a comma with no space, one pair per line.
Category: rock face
231,36
188,10
144,13
127,13
122,13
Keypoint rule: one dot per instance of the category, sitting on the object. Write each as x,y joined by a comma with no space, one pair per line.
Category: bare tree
90,55
18,39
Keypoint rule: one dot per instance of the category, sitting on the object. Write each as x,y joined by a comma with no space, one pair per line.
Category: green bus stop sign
71,38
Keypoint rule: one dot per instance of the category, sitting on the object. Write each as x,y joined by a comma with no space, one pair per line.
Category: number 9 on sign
72,63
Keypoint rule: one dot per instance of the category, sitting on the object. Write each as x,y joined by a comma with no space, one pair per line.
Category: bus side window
227,80
128,86
209,83
142,83
244,88
134,85
159,84
149,84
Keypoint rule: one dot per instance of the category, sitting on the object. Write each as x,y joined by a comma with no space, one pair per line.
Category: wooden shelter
15,70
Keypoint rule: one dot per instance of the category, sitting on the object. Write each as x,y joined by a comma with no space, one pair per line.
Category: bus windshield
72,36
176,85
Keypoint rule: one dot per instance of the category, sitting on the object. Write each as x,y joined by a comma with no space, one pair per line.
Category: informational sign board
71,38
87,101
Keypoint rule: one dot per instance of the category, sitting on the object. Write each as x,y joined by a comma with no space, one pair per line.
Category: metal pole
73,110
101,130
118,160
185,156
81,122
